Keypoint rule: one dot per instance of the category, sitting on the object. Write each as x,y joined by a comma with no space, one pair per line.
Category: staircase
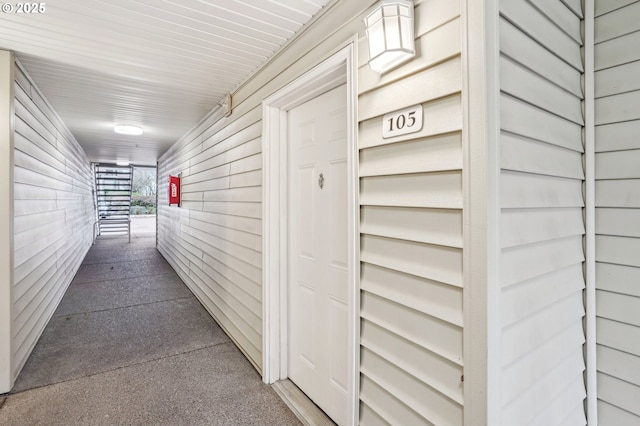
113,199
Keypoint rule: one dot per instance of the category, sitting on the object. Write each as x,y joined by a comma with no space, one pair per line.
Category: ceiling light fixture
126,129
122,163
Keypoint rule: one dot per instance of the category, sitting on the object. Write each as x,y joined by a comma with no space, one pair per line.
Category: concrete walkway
129,344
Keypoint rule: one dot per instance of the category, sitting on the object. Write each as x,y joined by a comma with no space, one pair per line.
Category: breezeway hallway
130,344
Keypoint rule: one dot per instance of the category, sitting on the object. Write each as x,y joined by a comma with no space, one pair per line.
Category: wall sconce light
390,34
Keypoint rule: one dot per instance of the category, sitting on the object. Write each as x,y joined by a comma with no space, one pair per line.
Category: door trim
334,71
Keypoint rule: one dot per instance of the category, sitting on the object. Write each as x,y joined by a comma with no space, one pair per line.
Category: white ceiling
159,64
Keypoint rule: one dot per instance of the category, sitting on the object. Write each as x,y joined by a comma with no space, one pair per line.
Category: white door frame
337,69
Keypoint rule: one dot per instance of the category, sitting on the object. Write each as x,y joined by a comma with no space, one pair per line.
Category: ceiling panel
159,64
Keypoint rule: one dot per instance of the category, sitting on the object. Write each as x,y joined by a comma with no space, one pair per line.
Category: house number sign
402,122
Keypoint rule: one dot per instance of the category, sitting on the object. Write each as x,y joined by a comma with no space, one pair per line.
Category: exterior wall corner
7,62
481,133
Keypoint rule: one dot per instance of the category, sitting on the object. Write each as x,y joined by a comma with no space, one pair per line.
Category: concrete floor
130,344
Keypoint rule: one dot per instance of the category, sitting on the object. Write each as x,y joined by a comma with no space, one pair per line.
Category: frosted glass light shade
390,34
127,129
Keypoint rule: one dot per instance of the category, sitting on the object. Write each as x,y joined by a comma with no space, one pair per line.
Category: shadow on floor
130,344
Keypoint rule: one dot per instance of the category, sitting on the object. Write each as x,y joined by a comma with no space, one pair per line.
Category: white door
318,264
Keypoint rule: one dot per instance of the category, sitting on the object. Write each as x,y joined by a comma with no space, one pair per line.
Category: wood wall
542,229
54,214
214,239
411,200
617,119
411,217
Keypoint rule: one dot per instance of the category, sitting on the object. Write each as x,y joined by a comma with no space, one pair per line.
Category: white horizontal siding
541,219
411,232
617,91
427,402
53,224
214,239
220,218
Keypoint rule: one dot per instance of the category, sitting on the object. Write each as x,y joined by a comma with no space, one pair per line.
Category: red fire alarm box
174,190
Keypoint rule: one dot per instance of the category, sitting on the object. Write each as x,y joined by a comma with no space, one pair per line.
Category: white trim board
6,220
590,213
335,70
306,411
481,213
